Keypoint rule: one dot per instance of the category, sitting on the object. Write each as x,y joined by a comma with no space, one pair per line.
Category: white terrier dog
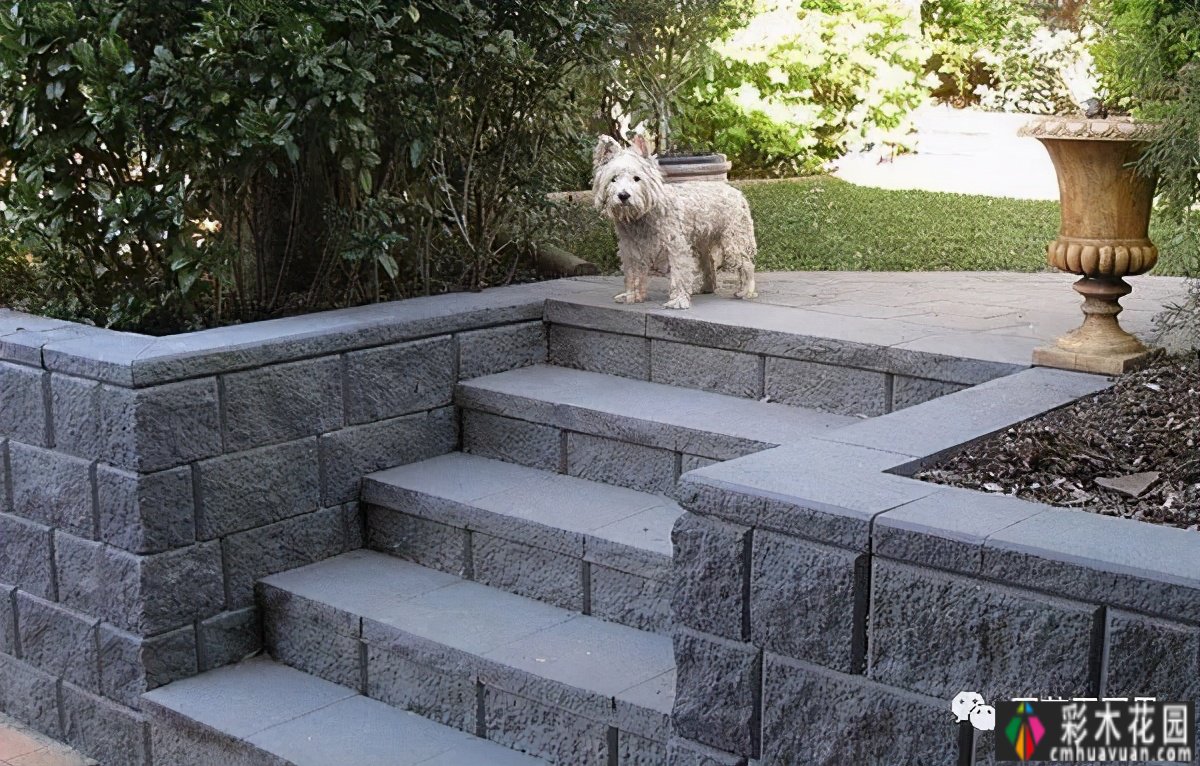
687,231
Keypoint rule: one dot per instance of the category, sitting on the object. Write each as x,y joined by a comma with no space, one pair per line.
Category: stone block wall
782,365
146,484
828,608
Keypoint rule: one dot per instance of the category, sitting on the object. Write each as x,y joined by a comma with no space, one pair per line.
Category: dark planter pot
700,167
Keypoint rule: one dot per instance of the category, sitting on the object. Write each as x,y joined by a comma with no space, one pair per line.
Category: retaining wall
149,482
829,608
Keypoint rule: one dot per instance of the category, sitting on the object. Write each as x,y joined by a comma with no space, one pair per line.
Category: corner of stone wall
137,510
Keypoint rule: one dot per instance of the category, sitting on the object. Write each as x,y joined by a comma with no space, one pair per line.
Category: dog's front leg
635,287
680,296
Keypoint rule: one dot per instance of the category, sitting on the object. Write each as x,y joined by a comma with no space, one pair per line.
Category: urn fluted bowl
1103,236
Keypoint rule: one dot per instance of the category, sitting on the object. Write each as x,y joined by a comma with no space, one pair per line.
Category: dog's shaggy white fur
687,231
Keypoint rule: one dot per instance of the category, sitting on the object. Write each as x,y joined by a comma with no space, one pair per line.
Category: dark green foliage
1149,62
180,163
659,50
819,224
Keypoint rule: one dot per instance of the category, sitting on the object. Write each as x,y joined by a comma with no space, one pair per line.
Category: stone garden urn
1103,237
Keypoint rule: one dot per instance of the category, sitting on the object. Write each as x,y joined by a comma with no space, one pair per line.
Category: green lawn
823,224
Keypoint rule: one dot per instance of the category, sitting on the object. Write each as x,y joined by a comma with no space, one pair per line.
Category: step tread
311,722
601,512
545,391
493,626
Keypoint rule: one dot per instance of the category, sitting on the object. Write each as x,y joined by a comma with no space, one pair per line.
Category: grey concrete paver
957,313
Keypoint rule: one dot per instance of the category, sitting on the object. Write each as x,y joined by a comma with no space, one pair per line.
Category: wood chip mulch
1102,453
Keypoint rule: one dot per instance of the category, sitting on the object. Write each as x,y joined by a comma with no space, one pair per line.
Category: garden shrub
808,80
1001,55
1149,63
180,164
658,51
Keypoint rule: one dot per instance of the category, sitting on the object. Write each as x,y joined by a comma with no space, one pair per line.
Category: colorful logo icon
1025,731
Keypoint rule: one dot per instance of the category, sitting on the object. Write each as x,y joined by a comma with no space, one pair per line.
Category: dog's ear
606,148
640,145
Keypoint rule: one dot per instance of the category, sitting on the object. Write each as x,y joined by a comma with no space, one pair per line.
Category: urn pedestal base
1099,345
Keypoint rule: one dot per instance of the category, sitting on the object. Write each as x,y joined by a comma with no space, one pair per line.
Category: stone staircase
513,606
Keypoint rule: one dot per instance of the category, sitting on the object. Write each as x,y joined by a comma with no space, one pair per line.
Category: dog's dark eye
637,179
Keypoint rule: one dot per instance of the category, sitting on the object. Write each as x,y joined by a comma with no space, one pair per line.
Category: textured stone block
947,529
497,349
152,429
111,733
277,547
609,461
528,571
1141,567
709,369
228,638
29,695
176,739
282,402
694,462
819,717
132,665
397,380
430,692
681,752
141,594
52,488
24,394
1146,656
640,751
421,541
26,556
257,487
630,599
937,635
802,598
716,698
351,453
58,640
513,441
907,392
597,312
624,355
312,637
843,390
80,574
77,423
146,513
709,574
545,732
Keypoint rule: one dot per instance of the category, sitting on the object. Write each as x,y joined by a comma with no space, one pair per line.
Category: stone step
539,679
618,430
262,713
580,545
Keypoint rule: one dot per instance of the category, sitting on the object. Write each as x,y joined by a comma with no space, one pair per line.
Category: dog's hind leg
746,289
708,270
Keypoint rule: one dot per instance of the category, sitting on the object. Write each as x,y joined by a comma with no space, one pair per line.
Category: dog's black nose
623,196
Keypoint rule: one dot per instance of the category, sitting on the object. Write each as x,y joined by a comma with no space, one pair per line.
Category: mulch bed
1148,423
